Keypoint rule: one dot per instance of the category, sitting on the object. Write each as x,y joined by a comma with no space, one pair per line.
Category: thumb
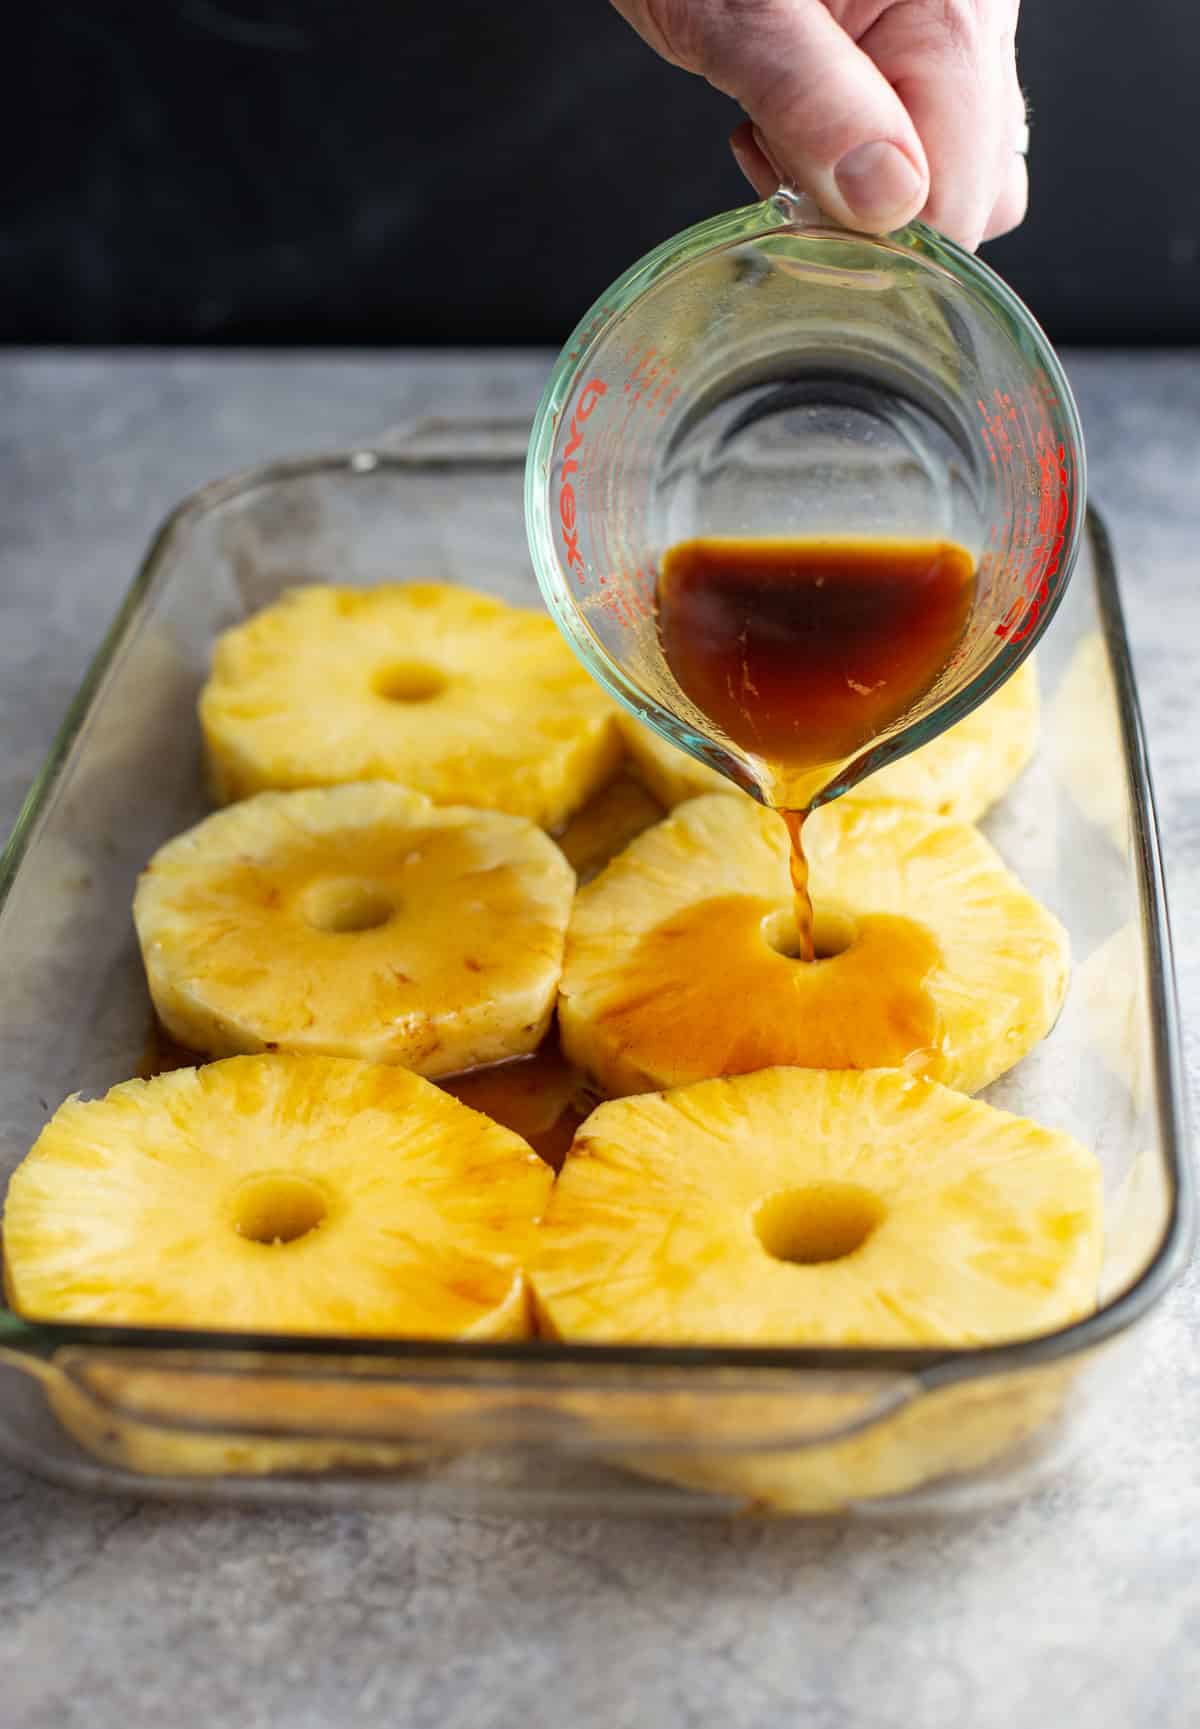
828,119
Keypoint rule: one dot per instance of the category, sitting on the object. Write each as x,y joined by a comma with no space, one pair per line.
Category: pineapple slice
677,966
441,688
966,769
174,1421
960,773
791,1207
670,774
357,921
276,1194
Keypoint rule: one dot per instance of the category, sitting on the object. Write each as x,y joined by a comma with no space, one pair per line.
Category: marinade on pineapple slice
680,960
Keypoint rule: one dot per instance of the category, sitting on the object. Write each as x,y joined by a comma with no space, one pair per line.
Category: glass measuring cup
767,375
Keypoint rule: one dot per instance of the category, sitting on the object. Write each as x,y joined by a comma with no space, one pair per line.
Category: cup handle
797,209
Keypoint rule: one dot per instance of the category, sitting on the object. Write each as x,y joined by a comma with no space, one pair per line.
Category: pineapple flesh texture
357,921
677,969
436,687
968,768
276,1194
961,773
792,1207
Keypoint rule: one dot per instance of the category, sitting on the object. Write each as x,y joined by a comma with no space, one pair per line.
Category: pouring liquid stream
805,652
806,937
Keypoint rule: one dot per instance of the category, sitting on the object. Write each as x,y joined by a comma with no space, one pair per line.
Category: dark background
382,171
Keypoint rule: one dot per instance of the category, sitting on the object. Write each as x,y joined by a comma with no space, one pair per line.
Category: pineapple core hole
278,1209
346,906
409,681
833,933
824,1222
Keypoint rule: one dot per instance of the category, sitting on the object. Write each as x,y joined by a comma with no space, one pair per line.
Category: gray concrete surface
1079,1605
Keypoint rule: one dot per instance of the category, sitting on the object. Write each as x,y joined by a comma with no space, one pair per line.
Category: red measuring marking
1036,545
602,460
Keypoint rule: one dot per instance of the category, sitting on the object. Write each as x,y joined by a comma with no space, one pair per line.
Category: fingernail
879,183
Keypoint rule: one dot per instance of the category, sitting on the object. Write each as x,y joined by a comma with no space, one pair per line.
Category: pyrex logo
589,396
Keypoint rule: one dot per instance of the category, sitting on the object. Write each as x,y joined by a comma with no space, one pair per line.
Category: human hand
881,110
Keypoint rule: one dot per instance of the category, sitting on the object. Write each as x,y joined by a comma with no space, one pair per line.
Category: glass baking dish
541,1425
